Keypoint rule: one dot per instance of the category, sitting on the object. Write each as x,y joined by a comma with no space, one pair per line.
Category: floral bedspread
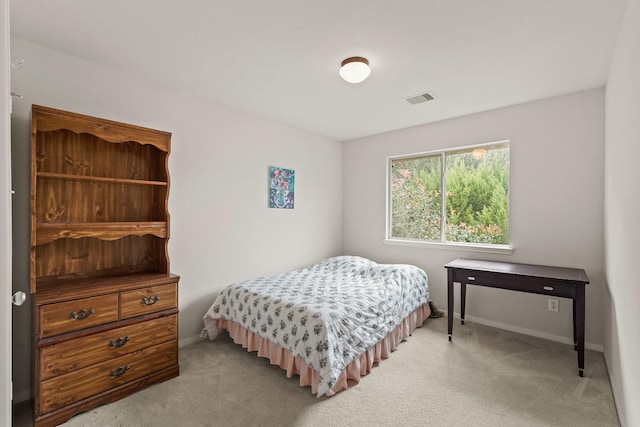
327,314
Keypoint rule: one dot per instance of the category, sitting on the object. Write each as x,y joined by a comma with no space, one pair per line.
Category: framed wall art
281,187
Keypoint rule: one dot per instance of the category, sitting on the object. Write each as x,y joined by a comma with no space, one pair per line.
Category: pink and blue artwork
281,187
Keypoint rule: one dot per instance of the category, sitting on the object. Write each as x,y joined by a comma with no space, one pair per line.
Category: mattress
327,315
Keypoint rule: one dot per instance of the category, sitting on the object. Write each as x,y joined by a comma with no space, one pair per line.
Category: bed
328,323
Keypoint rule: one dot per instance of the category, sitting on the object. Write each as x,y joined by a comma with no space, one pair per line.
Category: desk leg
580,314
463,300
575,336
450,301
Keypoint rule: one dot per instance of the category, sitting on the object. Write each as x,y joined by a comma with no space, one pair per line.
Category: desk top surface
548,272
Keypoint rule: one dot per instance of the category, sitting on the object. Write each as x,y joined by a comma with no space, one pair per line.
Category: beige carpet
484,377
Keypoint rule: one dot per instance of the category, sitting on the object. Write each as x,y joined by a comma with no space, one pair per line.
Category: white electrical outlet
552,305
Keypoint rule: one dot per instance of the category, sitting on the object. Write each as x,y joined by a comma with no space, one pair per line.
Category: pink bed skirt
309,377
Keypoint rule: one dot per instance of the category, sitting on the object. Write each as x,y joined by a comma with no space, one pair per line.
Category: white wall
5,217
556,205
221,228
622,225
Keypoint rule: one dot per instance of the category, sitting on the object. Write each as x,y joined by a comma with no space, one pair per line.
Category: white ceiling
280,58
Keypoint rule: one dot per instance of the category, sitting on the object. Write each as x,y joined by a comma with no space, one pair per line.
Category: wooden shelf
46,233
54,175
99,261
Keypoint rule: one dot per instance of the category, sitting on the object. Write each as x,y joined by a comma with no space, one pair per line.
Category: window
459,195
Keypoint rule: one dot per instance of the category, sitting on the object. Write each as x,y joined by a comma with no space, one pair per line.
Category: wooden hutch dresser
105,302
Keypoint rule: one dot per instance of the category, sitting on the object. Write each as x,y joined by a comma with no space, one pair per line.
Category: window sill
469,247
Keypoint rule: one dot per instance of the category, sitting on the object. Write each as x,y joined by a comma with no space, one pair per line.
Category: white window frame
442,244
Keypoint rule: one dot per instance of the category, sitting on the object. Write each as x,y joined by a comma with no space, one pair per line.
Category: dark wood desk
538,279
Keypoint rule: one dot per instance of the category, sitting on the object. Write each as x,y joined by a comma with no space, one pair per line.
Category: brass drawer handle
82,314
471,278
150,300
120,371
547,288
119,342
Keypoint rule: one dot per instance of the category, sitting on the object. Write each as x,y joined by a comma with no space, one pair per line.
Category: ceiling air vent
417,99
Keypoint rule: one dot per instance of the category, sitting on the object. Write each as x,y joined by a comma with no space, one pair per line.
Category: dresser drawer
540,285
148,300
77,314
69,388
79,353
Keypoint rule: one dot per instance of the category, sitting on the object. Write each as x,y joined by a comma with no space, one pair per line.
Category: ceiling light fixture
355,69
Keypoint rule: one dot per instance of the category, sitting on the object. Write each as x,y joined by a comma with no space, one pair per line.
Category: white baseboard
188,341
525,331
